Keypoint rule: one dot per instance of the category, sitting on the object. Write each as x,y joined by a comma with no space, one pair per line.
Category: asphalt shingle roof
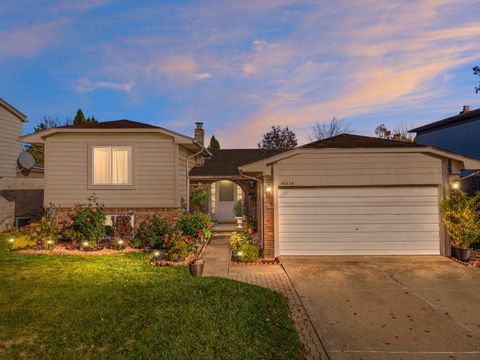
356,141
226,162
463,117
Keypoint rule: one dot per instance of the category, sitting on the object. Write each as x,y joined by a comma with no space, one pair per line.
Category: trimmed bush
237,240
197,225
86,224
24,242
151,233
122,227
248,252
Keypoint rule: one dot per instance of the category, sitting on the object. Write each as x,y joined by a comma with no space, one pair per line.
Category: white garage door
359,221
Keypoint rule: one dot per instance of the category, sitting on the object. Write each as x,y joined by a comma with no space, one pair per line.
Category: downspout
188,173
261,202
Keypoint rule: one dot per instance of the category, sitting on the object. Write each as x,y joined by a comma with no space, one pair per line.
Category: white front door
225,199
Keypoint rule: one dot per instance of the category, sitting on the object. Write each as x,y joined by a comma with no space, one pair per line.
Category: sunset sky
241,66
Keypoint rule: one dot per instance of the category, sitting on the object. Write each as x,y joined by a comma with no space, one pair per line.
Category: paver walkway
217,263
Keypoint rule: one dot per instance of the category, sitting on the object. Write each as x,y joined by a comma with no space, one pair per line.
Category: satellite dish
26,161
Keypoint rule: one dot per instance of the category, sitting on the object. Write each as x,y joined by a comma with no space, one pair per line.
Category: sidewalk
217,263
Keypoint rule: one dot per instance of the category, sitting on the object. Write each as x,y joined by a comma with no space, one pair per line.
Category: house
345,195
129,167
21,190
459,134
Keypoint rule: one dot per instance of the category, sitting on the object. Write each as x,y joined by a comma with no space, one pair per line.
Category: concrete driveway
411,307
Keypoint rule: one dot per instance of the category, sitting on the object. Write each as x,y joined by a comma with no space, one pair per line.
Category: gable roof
124,125
356,141
225,162
461,118
21,116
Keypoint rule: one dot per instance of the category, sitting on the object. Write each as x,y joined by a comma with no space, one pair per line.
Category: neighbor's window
112,165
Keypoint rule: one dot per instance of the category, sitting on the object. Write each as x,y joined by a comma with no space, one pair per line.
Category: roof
114,124
461,118
13,110
226,162
124,125
357,141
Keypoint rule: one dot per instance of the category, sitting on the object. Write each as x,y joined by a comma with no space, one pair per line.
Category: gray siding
463,139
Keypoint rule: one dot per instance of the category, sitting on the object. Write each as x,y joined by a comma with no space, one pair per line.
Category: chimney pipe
466,108
199,133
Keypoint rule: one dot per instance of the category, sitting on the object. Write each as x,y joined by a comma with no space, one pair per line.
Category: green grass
63,307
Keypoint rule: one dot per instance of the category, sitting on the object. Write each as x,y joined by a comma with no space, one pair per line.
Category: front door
225,200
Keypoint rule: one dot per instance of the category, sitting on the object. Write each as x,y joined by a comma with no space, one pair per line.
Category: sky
241,66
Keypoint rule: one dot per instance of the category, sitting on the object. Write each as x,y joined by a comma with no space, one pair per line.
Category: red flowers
200,234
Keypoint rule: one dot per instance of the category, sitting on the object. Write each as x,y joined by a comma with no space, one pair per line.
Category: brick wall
268,221
169,214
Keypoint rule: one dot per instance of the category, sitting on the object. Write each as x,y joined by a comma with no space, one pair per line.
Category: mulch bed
62,250
161,261
234,261
474,260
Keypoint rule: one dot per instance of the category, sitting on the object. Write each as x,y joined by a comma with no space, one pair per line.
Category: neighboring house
459,134
21,192
130,167
346,195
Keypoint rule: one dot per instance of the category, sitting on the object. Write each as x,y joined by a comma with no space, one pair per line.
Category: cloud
202,76
28,40
85,85
83,5
259,45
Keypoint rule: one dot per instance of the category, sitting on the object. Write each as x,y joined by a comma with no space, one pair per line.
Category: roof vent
466,109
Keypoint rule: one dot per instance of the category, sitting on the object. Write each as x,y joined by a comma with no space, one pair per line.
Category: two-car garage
393,220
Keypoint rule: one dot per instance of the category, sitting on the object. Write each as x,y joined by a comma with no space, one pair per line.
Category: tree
38,151
322,130
399,134
214,144
278,138
476,72
80,118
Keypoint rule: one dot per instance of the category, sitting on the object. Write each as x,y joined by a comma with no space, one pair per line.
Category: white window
111,165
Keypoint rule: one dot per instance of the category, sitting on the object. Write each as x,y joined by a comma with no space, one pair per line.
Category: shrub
151,233
122,227
24,242
248,252
87,224
237,240
178,246
43,231
199,198
461,214
193,224
239,209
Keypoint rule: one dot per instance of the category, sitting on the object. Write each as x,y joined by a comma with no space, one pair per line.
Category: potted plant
461,215
197,263
239,211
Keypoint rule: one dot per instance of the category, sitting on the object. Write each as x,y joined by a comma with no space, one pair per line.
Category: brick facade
169,214
268,220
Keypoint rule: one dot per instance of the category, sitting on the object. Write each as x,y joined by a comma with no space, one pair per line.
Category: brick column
268,220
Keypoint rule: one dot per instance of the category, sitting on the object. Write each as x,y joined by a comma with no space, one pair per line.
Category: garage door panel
364,228
352,236
358,221
361,219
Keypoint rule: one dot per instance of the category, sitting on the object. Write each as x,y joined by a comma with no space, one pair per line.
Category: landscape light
120,242
156,253
85,243
50,242
11,240
240,253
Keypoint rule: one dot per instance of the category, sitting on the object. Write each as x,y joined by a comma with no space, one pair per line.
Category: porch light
268,189
455,185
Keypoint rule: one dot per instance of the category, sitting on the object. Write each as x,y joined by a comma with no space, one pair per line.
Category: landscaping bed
119,307
63,250
473,262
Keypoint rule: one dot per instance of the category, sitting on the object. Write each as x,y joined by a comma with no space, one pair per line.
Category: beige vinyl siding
154,179
10,146
359,221
359,169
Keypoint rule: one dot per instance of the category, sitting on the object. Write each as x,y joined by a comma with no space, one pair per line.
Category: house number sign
287,183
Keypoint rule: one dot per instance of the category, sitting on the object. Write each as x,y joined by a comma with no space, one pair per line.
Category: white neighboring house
21,192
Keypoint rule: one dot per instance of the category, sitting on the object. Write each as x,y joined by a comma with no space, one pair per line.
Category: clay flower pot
196,267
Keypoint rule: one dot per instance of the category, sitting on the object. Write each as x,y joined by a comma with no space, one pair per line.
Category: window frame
131,165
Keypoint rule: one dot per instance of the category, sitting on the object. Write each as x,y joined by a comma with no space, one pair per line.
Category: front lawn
65,306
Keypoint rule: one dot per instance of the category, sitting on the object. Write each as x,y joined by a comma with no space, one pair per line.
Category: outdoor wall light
268,189
455,185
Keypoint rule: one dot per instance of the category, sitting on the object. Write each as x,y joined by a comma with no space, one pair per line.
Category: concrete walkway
217,263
